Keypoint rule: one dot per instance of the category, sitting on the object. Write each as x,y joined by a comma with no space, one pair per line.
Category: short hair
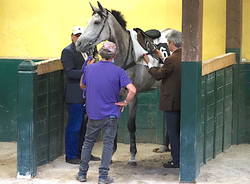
108,50
175,37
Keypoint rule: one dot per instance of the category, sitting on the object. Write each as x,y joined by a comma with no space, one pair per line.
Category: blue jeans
109,128
72,133
172,120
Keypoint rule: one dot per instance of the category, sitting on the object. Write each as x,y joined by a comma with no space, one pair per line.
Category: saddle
146,38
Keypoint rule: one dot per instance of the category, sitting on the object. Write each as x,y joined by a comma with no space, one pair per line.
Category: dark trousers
172,120
166,137
73,130
109,128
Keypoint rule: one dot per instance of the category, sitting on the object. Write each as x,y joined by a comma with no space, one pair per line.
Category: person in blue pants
72,63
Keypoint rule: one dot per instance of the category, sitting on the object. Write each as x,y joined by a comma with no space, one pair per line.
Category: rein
130,46
100,32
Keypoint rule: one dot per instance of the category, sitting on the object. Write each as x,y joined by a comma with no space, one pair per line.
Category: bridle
125,66
100,32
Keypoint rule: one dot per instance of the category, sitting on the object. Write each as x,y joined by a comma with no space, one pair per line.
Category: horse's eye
97,22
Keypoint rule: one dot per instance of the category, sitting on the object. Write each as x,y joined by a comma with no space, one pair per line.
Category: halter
104,23
125,66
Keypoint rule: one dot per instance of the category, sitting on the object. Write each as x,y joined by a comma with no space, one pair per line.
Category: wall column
26,143
192,15
233,44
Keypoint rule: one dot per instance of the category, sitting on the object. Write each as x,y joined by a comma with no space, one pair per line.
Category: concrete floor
231,167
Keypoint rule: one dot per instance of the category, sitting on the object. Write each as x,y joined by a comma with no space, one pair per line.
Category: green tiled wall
228,108
244,101
40,118
149,120
216,113
8,100
190,137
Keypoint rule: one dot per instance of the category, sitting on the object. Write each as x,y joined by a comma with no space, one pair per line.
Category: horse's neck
123,42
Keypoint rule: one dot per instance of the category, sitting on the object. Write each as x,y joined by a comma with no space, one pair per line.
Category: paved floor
231,167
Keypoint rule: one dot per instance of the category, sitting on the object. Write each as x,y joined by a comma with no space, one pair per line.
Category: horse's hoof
132,163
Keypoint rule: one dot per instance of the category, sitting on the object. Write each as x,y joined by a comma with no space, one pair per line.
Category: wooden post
234,26
233,44
26,143
192,16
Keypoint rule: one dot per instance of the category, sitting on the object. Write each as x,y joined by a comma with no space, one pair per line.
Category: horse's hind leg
132,130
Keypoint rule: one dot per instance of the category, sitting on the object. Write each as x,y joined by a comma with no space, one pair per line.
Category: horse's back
141,78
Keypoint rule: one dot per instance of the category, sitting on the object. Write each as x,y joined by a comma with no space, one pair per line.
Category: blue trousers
109,128
73,130
172,120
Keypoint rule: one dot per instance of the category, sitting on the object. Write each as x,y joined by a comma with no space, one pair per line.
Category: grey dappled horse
110,25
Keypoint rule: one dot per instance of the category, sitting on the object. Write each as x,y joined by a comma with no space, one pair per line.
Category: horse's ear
100,6
93,8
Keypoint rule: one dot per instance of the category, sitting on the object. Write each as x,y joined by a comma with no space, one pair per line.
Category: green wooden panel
216,120
228,108
210,117
26,142
8,101
244,101
191,147
56,111
219,123
235,102
45,125
216,112
201,137
41,104
149,120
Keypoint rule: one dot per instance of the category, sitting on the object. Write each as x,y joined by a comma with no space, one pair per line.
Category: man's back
103,82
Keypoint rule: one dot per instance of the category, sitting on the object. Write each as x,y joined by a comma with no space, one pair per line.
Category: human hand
158,54
122,104
90,60
146,58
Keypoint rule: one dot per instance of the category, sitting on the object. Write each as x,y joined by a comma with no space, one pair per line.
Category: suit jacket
170,76
72,64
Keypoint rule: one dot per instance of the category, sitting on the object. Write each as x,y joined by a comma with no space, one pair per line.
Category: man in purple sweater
103,81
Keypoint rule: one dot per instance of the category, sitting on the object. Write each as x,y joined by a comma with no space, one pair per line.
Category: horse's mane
119,17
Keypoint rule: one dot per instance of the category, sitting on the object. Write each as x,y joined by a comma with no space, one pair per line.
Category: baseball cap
77,30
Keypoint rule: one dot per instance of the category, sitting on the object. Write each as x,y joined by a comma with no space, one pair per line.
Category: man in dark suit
170,92
75,129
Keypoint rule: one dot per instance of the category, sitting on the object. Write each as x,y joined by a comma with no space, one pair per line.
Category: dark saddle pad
145,40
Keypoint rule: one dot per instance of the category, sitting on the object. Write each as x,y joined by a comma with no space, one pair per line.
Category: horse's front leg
132,130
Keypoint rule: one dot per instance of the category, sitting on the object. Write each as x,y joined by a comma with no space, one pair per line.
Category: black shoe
171,164
105,181
73,161
81,178
94,158
168,149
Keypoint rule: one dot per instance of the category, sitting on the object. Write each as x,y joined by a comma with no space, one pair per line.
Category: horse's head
96,31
